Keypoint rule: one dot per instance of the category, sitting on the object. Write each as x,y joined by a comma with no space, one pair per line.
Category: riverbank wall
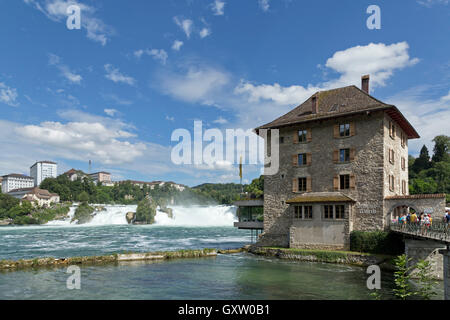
10,265
326,256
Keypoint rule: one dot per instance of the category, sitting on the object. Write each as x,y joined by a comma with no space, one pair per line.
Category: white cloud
218,7
157,54
114,75
446,98
55,10
110,112
197,84
204,33
220,120
186,25
177,45
54,60
8,95
275,93
430,3
170,118
264,5
160,55
255,104
430,117
378,60
83,140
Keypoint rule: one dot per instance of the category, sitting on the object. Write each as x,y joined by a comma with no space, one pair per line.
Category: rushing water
235,276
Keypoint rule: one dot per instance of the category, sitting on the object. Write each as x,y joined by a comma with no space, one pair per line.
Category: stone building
343,158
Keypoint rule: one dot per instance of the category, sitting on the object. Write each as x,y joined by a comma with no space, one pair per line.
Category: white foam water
195,216
198,216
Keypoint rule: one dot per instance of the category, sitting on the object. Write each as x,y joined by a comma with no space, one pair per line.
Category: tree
146,211
83,197
441,149
423,161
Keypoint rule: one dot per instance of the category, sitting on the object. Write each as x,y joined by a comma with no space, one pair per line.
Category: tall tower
90,166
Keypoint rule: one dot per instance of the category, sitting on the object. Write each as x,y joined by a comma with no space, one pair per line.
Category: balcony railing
436,231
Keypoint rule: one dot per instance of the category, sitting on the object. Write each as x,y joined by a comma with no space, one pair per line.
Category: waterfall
201,216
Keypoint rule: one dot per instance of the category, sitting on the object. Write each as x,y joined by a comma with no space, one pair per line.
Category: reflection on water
236,276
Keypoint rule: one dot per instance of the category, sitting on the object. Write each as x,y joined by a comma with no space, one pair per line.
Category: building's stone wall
394,169
434,206
367,168
318,233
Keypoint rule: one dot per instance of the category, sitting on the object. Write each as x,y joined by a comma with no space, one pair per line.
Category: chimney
365,83
314,108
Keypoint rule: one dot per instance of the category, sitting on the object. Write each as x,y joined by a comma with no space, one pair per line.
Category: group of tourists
422,218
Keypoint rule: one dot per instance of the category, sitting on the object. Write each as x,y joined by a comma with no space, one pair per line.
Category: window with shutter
295,137
294,185
308,184
352,181
295,160
352,154
308,159
308,135
335,156
352,129
336,183
302,184
336,131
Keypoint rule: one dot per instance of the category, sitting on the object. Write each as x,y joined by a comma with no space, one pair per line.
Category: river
233,276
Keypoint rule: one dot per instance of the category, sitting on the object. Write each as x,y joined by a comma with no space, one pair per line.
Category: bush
377,242
146,211
83,213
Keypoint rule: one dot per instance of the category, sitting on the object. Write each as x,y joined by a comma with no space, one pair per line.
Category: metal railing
436,231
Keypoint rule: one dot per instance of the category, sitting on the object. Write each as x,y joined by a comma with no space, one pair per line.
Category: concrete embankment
340,257
10,265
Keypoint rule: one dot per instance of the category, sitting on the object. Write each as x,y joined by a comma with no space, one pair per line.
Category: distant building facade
153,184
343,166
103,177
16,181
42,170
35,195
73,174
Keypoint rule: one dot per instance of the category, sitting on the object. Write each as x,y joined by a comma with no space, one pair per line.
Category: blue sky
114,91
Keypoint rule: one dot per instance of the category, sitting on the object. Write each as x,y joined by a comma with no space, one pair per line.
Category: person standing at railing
447,216
414,218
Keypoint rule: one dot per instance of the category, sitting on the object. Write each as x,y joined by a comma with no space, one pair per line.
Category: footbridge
430,242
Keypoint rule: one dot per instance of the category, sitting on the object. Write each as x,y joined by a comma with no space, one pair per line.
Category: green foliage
83,213
425,280
376,242
44,215
423,161
433,176
402,277
225,193
256,187
83,197
441,148
146,211
6,204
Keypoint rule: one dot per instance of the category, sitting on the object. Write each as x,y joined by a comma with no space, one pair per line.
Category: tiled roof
417,196
312,197
18,175
339,102
40,193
